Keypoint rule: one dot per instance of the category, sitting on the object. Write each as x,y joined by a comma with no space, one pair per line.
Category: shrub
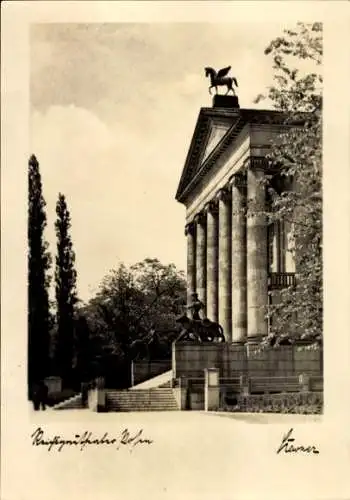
309,403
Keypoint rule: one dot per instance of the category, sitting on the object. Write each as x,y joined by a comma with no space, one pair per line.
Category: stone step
147,394
141,398
131,406
136,394
140,409
73,403
153,399
138,401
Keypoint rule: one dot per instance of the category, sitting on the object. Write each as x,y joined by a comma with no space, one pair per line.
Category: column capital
189,228
238,180
257,163
223,195
211,207
200,218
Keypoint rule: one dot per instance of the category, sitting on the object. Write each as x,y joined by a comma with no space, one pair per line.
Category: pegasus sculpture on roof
219,78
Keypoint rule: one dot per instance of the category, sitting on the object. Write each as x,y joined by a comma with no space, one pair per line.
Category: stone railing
271,385
192,393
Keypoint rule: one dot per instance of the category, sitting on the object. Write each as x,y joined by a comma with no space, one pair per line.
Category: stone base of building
190,359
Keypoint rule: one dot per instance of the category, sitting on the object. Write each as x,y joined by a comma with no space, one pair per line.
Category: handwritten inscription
81,441
288,447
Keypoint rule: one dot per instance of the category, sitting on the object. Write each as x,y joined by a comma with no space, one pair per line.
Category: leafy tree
66,295
131,304
111,318
38,279
165,290
120,304
295,187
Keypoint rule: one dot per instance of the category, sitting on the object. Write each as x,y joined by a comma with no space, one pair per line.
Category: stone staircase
73,403
154,399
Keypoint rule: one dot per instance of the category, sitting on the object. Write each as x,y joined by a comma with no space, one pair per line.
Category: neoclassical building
233,257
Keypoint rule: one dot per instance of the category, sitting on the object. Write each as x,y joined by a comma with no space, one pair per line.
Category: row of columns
227,256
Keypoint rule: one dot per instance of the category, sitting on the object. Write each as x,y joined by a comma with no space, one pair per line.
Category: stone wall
190,360
284,361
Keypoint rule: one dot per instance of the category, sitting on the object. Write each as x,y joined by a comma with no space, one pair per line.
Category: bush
308,403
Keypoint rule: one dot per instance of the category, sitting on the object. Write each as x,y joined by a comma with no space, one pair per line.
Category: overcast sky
113,109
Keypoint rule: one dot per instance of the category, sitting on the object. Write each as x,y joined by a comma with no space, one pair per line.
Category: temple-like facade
233,256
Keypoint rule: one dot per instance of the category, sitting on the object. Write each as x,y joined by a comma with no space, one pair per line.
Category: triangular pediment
217,132
211,129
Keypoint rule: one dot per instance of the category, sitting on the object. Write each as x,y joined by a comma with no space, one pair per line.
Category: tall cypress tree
66,295
38,279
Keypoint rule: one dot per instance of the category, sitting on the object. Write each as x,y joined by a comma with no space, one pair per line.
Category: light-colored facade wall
253,140
218,176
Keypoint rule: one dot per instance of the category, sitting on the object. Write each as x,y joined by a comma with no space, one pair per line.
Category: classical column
212,260
238,185
256,250
224,277
201,257
191,260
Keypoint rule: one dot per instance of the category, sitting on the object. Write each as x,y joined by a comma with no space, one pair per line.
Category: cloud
120,202
113,111
122,63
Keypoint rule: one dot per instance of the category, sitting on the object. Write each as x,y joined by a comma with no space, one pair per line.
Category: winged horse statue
219,78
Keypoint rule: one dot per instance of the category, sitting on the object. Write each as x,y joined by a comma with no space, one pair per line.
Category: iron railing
281,280
260,385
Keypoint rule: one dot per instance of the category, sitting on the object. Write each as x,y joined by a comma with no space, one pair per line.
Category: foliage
38,279
164,290
306,403
66,295
295,187
131,302
82,354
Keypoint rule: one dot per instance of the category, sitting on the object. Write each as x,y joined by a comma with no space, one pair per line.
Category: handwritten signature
81,441
288,447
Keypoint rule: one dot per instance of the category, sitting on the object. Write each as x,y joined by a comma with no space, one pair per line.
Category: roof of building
196,164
